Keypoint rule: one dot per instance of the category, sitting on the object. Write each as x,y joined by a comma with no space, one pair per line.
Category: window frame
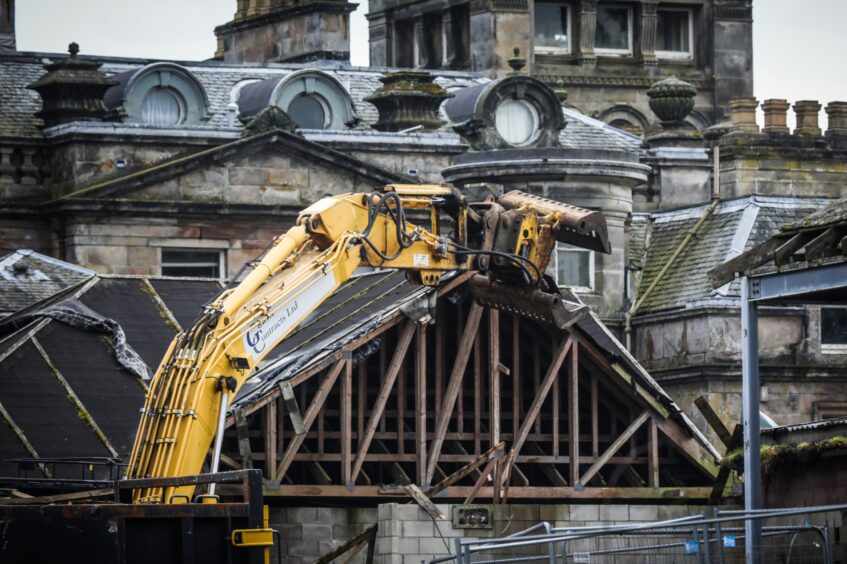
605,51
326,107
592,262
543,50
830,348
678,55
536,121
221,254
182,106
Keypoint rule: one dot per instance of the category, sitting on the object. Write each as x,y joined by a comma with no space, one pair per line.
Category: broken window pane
551,28
673,31
613,29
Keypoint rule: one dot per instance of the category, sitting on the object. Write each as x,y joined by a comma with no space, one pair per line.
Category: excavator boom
507,243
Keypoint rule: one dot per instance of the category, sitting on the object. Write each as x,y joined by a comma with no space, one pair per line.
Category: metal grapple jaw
527,302
526,228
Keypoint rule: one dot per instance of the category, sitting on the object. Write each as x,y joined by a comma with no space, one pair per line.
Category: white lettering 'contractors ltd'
260,339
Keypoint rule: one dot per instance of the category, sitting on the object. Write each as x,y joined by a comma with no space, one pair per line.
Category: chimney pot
744,115
776,116
837,113
807,118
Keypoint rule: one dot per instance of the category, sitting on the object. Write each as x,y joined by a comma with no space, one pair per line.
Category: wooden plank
460,401
346,421
745,262
824,245
382,396
492,453
689,447
555,394
573,411
421,499
516,373
440,329
354,541
714,420
459,493
783,254
653,454
613,448
724,470
311,414
493,377
480,481
361,400
243,439
549,470
292,407
536,378
271,440
455,382
420,403
595,418
7,417
61,498
401,407
532,414
477,396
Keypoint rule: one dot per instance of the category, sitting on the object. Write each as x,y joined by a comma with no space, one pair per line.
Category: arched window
313,99
516,122
161,94
163,106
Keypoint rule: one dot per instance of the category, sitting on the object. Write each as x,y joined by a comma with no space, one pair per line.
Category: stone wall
310,532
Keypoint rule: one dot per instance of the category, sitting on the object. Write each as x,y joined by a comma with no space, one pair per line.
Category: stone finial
837,114
776,116
807,112
517,63
408,99
560,91
743,117
672,100
72,90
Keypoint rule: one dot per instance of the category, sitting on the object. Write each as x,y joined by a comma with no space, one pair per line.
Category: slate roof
221,81
735,226
27,277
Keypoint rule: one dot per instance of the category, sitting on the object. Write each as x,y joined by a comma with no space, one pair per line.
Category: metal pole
750,405
219,436
719,535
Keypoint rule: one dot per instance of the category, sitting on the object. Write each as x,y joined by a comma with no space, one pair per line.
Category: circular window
516,122
309,111
162,106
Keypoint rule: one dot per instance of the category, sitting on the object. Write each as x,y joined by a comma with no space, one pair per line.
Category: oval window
309,112
516,122
162,106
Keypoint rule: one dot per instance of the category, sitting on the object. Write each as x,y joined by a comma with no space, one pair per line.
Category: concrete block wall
408,535
310,532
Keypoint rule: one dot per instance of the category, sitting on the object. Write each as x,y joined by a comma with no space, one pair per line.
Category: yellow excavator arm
508,242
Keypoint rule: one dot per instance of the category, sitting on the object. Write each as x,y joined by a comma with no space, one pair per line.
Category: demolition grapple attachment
526,227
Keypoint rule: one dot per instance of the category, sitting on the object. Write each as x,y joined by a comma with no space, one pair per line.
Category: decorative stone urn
408,99
672,100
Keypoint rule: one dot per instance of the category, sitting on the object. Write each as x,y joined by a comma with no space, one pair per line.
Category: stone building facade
147,167
606,54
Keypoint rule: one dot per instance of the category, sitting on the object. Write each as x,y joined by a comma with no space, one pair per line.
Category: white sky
798,44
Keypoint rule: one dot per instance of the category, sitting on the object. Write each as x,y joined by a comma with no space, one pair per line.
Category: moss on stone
782,457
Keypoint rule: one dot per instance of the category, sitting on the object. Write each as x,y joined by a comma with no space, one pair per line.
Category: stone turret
264,31
72,90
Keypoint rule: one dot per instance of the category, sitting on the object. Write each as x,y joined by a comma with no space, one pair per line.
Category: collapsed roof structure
391,383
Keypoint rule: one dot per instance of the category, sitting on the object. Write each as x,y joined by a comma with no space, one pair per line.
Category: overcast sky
798,43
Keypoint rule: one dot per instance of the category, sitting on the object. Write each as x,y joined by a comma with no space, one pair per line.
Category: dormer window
613,35
163,106
312,99
674,30
516,122
160,94
310,111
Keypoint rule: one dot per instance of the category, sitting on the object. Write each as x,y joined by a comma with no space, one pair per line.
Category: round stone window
310,111
516,122
162,106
